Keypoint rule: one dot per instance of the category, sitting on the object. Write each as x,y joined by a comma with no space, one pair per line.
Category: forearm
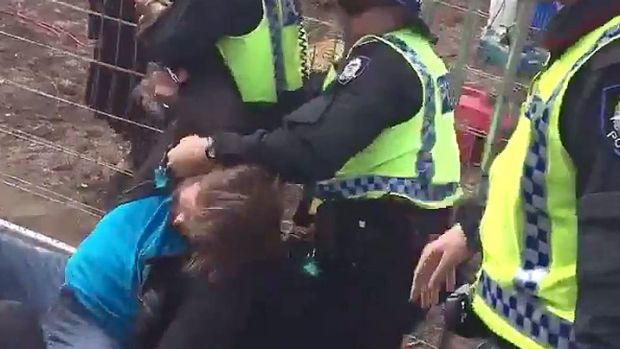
280,151
316,140
469,212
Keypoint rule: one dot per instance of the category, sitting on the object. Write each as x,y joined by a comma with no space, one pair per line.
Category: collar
576,20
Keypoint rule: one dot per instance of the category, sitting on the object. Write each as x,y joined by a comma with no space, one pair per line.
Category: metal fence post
468,35
524,16
428,11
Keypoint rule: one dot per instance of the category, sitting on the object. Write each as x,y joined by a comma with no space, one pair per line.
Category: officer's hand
436,269
160,86
189,158
166,85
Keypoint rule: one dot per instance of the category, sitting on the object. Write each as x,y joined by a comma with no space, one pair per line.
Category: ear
179,219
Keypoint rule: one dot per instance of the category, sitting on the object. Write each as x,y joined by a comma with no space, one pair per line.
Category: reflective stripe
525,314
425,168
536,256
537,227
272,11
409,187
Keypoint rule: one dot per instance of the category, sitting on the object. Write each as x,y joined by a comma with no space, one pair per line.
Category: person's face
185,204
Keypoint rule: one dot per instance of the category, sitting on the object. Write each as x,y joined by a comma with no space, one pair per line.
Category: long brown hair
237,220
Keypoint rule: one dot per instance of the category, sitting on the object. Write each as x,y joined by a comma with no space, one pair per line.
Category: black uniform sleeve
468,213
191,27
590,131
377,90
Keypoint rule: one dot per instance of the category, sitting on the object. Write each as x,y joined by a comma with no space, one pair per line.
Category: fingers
434,297
421,276
429,298
425,299
451,280
446,266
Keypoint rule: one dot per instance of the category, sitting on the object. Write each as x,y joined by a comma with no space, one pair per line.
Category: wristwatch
209,147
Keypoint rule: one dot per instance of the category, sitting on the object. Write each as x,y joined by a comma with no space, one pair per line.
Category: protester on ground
238,288
102,301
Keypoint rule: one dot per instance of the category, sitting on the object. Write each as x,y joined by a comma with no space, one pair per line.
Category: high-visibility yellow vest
417,159
270,59
527,288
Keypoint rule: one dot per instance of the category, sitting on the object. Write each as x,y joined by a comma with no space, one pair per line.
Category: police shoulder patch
354,68
610,117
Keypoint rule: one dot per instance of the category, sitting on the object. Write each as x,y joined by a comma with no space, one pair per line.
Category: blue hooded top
108,269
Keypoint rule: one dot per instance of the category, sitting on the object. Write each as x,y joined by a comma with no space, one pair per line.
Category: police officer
259,45
381,142
549,234
242,59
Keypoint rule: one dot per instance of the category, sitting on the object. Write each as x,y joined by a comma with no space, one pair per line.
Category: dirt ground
43,142
55,158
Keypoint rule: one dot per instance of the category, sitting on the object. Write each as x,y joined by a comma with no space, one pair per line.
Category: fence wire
109,66
43,42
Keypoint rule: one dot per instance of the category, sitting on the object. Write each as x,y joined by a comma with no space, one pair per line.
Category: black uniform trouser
367,251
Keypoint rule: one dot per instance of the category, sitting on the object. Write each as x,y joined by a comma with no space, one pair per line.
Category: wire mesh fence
68,128
67,67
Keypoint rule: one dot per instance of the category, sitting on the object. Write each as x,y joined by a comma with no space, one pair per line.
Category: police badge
353,69
610,117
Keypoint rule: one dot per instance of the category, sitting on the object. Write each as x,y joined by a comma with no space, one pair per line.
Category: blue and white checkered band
424,164
419,188
525,314
356,187
536,255
272,11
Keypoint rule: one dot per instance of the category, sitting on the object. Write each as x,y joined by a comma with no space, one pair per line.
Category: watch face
209,147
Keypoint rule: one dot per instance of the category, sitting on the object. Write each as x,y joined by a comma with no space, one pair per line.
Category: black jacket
185,36
266,306
587,133
320,136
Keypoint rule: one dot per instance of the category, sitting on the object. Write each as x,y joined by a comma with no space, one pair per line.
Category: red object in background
473,116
